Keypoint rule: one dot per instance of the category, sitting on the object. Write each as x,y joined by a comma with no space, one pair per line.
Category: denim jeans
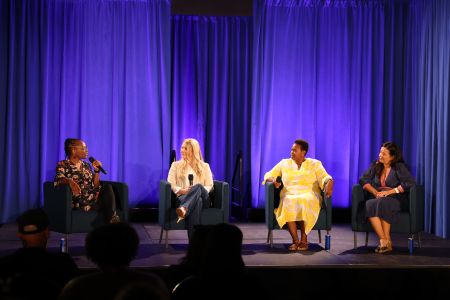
195,201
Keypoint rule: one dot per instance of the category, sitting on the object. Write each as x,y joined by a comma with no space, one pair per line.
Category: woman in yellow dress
300,198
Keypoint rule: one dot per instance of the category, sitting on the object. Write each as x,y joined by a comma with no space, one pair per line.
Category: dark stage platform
342,269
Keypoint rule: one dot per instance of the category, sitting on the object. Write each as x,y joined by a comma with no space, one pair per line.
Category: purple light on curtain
329,72
97,70
211,88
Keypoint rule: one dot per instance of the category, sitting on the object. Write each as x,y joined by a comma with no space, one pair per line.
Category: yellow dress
300,198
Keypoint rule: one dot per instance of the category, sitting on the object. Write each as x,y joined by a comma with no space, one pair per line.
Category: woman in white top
191,180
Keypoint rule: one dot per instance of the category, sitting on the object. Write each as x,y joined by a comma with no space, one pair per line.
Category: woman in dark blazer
387,182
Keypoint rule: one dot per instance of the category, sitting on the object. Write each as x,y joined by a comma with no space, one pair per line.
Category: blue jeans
195,201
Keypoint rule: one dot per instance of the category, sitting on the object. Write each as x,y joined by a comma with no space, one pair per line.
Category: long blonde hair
195,156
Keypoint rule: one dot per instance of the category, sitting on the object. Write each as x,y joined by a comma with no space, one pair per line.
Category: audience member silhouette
32,272
111,247
143,291
222,274
192,263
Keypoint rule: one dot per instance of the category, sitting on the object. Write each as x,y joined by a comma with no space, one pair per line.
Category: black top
399,175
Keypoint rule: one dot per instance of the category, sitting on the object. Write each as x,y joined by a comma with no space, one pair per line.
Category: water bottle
327,242
411,245
62,245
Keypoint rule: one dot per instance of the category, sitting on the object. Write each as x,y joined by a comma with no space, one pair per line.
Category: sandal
114,219
294,246
384,249
302,246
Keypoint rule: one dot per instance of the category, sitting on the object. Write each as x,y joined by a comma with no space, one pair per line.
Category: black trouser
105,206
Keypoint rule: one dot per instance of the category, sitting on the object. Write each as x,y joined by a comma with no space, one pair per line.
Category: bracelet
96,172
396,190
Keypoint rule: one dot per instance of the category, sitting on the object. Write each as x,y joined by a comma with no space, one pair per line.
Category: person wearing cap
32,272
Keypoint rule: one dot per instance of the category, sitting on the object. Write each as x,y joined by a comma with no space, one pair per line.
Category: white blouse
177,182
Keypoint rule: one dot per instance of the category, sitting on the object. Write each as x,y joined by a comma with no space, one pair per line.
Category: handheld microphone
191,179
91,159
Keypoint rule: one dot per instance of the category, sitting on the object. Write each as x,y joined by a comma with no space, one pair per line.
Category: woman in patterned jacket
87,193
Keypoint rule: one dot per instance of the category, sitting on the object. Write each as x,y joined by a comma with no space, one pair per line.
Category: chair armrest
121,192
416,208
270,203
221,198
58,206
165,195
357,197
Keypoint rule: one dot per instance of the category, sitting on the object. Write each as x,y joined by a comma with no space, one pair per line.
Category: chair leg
419,239
320,236
367,239
355,240
271,238
167,239
268,237
161,234
67,243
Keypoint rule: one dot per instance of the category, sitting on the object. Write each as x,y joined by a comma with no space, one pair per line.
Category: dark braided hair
394,151
69,143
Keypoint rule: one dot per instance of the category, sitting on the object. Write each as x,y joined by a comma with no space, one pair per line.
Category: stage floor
435,251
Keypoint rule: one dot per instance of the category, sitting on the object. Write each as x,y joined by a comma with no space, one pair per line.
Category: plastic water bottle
410,245
63,245
327,242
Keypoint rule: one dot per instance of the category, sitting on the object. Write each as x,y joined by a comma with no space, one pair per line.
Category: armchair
272,198
411,221
217,213
64,219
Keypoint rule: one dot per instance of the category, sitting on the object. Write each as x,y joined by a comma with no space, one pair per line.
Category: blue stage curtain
97,70
211,73
337,74
433,168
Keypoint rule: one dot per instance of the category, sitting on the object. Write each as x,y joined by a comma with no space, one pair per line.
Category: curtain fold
95,70
211,73
335,74
433,121
133,82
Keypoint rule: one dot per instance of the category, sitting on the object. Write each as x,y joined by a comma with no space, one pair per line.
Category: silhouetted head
150,289
112,245
33,228
223,252
197,247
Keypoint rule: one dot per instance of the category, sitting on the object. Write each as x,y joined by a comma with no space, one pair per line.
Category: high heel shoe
181,212
115,218
386,248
